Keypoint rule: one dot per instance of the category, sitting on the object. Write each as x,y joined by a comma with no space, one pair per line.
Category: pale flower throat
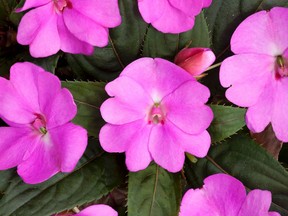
156,114
60,5
39,124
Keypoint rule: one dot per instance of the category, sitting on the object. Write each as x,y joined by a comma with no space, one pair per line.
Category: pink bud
195,60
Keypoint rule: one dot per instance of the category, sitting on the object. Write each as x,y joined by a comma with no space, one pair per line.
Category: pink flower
195,60
40,141
74,26
226,196
157,112
98,210
258,74
171,16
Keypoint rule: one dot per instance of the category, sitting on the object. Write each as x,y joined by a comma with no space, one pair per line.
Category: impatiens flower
171,16
258,73
74,26
157,112
224,195
40,141
195,60
98,210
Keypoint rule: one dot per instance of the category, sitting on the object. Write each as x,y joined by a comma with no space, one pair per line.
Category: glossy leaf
227,121
88,96
154,192
248,162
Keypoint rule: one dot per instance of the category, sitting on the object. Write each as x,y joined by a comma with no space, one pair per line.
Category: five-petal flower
74,26
157,112
258,73
40,141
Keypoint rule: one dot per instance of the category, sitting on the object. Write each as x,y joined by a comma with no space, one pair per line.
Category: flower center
60,5
156,114
39,124
281,67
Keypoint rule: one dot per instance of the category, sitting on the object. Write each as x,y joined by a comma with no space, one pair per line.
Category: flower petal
41,164
165,147
98,210
24,77
221,194
195,60
257,203
256,35
32,4
71,141
197,145
152,10
248,77
105,13
45,38
280,115
13,108
85,29
189,7
48,86
174,21
132,138
188,100
161,77
226,192
130,102
71,44
196,203
259,115
14,143
61,109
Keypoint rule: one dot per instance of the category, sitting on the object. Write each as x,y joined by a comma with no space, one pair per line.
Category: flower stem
214,66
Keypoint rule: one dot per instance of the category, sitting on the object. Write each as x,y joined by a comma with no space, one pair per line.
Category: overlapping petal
221,194
195,60
188,100
73,27
13,108
98,210
71,44
132,138
224,195
40,140
105,13
85,29
152,75
124,108
14,143
171,16
257,203
156,112
248,77
279,116
71,141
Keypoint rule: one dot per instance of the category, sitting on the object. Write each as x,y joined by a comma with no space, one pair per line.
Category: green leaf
124,46
88,96
248,162
166,46
223,17
131,40
96,174
227,121
154,192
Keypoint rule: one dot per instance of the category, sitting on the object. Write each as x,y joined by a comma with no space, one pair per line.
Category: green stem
214,66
